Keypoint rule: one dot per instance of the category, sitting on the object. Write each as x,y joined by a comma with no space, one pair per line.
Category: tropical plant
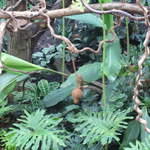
33,93
4,139
103,126
140,145
4,108
37,131
2,3
101,118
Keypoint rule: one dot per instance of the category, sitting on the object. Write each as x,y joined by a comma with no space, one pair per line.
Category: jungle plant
4,139
103,126
139,145
75,143
95,122
34,93
37,131
4,108
2,3
44,57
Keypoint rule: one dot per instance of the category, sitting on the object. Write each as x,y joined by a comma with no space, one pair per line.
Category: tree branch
131,8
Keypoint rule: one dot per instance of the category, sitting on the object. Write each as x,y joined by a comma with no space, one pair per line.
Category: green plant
2,3
45,57
102,126
33,93
139,145
37,131
4,139
4,108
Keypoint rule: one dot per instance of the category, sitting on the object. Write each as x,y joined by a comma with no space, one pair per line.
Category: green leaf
103,126
7,82
144,134
43,86
132,133
70,108
4,108
36,131
112,61
89,72
108,19
19,64
88,19
57,96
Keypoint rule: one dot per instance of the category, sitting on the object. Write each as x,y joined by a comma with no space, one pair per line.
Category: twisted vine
141,61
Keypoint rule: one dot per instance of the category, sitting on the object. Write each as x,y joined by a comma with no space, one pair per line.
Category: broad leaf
89,72
88,19
57,96
8,82
132,133
112,62
19,64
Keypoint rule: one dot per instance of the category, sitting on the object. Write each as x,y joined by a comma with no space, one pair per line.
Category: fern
4,109
37,131
101,126
140,145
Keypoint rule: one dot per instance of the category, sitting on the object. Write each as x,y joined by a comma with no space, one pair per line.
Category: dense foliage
39,111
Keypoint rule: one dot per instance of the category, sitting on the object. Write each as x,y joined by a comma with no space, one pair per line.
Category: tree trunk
20,41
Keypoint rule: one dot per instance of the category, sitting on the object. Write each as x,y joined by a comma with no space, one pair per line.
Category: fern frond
101,126
37,131
4,109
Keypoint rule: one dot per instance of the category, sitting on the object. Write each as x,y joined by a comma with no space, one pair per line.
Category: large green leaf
132,133
8,82
57,96
19,64
92,19
89,72
112,61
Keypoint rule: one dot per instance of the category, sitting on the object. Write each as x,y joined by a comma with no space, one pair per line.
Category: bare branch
113,7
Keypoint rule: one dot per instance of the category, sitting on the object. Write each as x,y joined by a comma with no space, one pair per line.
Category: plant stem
57,72
104,55
127,30
103,76
63,34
